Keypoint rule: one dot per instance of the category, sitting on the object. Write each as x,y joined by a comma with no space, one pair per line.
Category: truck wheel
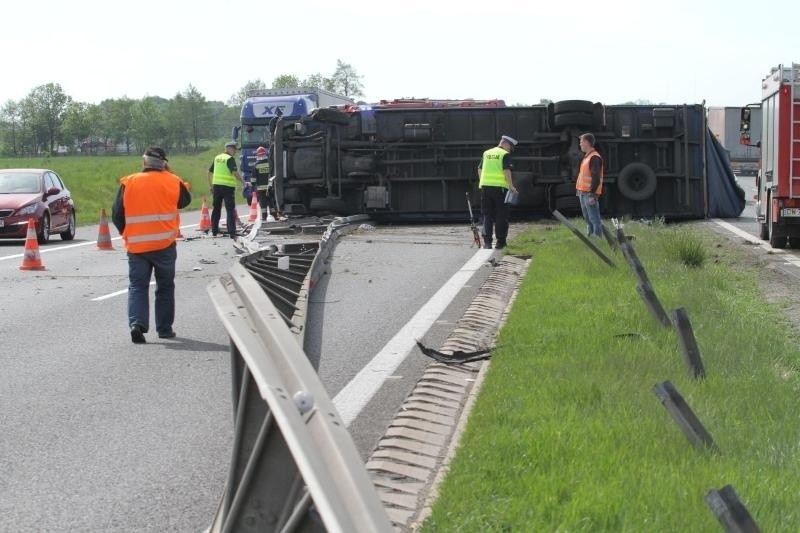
776,238
573,119
573,106
763,231
334,116
637,181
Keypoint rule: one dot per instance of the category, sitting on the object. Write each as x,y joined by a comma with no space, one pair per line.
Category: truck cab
778,181
263,107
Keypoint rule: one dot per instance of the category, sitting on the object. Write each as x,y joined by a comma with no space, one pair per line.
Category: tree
284,81
11,119
318,81
237,99
148,122
117,124
75,126
48,104
346,80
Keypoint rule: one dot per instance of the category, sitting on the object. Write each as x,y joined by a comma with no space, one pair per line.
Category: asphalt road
99,434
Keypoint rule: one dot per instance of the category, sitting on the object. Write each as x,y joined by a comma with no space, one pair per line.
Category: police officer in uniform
494,174
222,177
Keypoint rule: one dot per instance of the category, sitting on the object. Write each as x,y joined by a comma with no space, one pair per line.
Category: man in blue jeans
145,211
589,185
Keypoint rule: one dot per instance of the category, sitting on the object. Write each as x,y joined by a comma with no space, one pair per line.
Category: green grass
567,434
94,180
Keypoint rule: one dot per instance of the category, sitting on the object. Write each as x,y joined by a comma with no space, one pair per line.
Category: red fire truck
778,182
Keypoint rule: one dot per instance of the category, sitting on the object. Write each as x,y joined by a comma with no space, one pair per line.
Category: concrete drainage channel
409,460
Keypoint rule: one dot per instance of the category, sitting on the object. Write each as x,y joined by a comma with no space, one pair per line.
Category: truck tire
637,181
573,106
334,116
763,231
573,119
776,238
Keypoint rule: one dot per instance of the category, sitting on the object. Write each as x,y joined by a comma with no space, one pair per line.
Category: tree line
48,121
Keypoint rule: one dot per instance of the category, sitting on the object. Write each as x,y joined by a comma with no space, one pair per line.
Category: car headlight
27,210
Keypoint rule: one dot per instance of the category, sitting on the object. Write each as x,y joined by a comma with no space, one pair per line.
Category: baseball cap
510,140
230,144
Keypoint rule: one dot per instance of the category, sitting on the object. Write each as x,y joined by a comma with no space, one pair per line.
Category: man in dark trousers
222,177
262,172
494,174
145,211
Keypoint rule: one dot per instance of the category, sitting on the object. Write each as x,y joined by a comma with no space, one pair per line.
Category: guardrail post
688,343
561,218
684,416
730,511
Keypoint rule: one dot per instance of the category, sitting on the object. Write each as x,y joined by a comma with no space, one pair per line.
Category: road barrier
294,465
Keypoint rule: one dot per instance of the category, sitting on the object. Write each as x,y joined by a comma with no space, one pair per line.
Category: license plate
790,212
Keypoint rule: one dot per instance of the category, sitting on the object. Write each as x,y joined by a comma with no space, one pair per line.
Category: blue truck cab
262,108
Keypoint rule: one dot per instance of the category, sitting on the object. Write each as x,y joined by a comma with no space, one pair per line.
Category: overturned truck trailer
416,159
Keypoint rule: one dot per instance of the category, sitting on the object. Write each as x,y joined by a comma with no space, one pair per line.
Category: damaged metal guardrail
294,465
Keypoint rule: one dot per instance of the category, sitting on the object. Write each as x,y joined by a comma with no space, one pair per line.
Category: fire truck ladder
794,135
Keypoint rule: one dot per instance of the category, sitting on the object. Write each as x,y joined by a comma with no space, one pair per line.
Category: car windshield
19,182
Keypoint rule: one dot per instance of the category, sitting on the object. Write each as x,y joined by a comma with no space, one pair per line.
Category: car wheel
43,236
69,234
637,181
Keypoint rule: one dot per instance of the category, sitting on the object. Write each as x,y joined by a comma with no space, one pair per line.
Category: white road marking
117,293
356,394
787,256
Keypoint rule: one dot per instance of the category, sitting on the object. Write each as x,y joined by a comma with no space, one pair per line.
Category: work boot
169,334
487,244
137,334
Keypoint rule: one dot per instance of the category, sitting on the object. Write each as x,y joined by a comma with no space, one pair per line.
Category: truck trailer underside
417,160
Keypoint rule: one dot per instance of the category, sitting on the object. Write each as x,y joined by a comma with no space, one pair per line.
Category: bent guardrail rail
294,465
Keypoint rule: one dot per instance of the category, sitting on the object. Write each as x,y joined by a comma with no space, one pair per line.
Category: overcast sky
612,51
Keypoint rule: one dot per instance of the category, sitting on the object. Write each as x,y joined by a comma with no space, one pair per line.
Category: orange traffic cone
180,235
103,235
31,260
205,218
253,209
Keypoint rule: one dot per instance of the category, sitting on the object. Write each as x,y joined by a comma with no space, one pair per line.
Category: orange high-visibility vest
151,210
584,182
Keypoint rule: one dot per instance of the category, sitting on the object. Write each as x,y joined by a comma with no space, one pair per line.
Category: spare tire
637,181
573,119
334,116
573,106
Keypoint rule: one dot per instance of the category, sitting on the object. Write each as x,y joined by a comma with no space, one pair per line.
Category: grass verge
567,434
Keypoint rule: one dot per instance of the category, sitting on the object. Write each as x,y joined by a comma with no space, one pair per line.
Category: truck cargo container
416,159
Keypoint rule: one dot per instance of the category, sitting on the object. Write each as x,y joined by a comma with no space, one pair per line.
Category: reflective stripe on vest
222,174
492,168
584,182
150,201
